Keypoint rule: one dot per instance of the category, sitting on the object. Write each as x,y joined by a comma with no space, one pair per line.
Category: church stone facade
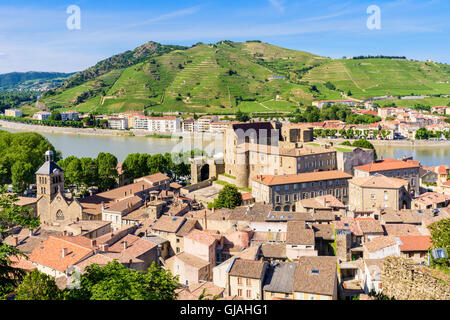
52,206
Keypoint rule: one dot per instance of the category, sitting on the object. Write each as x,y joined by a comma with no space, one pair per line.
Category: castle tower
49,177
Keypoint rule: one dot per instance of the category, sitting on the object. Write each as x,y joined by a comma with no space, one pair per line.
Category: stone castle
272,148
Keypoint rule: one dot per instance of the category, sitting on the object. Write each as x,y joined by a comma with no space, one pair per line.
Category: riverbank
144,133
396,143
65,130
101,132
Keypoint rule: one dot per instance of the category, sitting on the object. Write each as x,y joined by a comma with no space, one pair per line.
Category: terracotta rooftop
379,182
297,234
49,253
280,277
415,243
387,164
194,291
155,178
430,198
272,250
99,259
26,201
169,224
248,268
369,226
271,180
202,237
397,230
316,275
192,260
379,243
93,204
187,227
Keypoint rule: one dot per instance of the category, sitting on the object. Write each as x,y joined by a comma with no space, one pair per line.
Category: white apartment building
164,124
42,115
140,122
13,113
69,116
221,126
118,123
204,123
189,125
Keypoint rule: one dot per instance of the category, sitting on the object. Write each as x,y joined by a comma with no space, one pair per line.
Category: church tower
50,177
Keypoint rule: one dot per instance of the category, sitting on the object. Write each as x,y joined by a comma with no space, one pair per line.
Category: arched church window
59,215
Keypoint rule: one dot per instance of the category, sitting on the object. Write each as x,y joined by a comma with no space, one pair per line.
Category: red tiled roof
49,253
271,180
415,243
388,164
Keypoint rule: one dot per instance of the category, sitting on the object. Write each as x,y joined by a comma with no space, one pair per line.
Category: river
121,147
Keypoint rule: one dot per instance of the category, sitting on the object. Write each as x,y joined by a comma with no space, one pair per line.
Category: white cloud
278,4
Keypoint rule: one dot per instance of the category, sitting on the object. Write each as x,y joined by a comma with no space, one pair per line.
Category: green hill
224,77
31,80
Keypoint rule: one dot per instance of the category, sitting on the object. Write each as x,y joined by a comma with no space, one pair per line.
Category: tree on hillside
242,117
38,286
117,282
11,215
229,197
363,143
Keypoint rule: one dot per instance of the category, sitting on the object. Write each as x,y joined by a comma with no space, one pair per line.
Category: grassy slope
199,80
378,77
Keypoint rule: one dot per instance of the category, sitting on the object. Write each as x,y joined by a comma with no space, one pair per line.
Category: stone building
52,205
284,191
250,147
378,192
401,169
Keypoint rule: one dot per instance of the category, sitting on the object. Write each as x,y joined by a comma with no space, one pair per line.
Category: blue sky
34,36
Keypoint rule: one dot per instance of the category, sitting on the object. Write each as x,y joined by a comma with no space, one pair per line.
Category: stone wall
406,281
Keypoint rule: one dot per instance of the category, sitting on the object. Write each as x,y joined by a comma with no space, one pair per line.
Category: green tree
346,143
22,147
11,215
22,175
117,282
74,173
229,197
38,286
363,143
107,171
440,234
56,116
422,134
89,172
242,117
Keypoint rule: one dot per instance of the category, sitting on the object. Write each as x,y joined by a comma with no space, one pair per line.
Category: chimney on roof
31,233
104,247
64,252
124,245
94,242
16,241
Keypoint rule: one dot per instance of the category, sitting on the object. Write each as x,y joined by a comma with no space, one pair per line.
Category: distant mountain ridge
13,80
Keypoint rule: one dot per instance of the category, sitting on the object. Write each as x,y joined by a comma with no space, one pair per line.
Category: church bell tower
49,177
